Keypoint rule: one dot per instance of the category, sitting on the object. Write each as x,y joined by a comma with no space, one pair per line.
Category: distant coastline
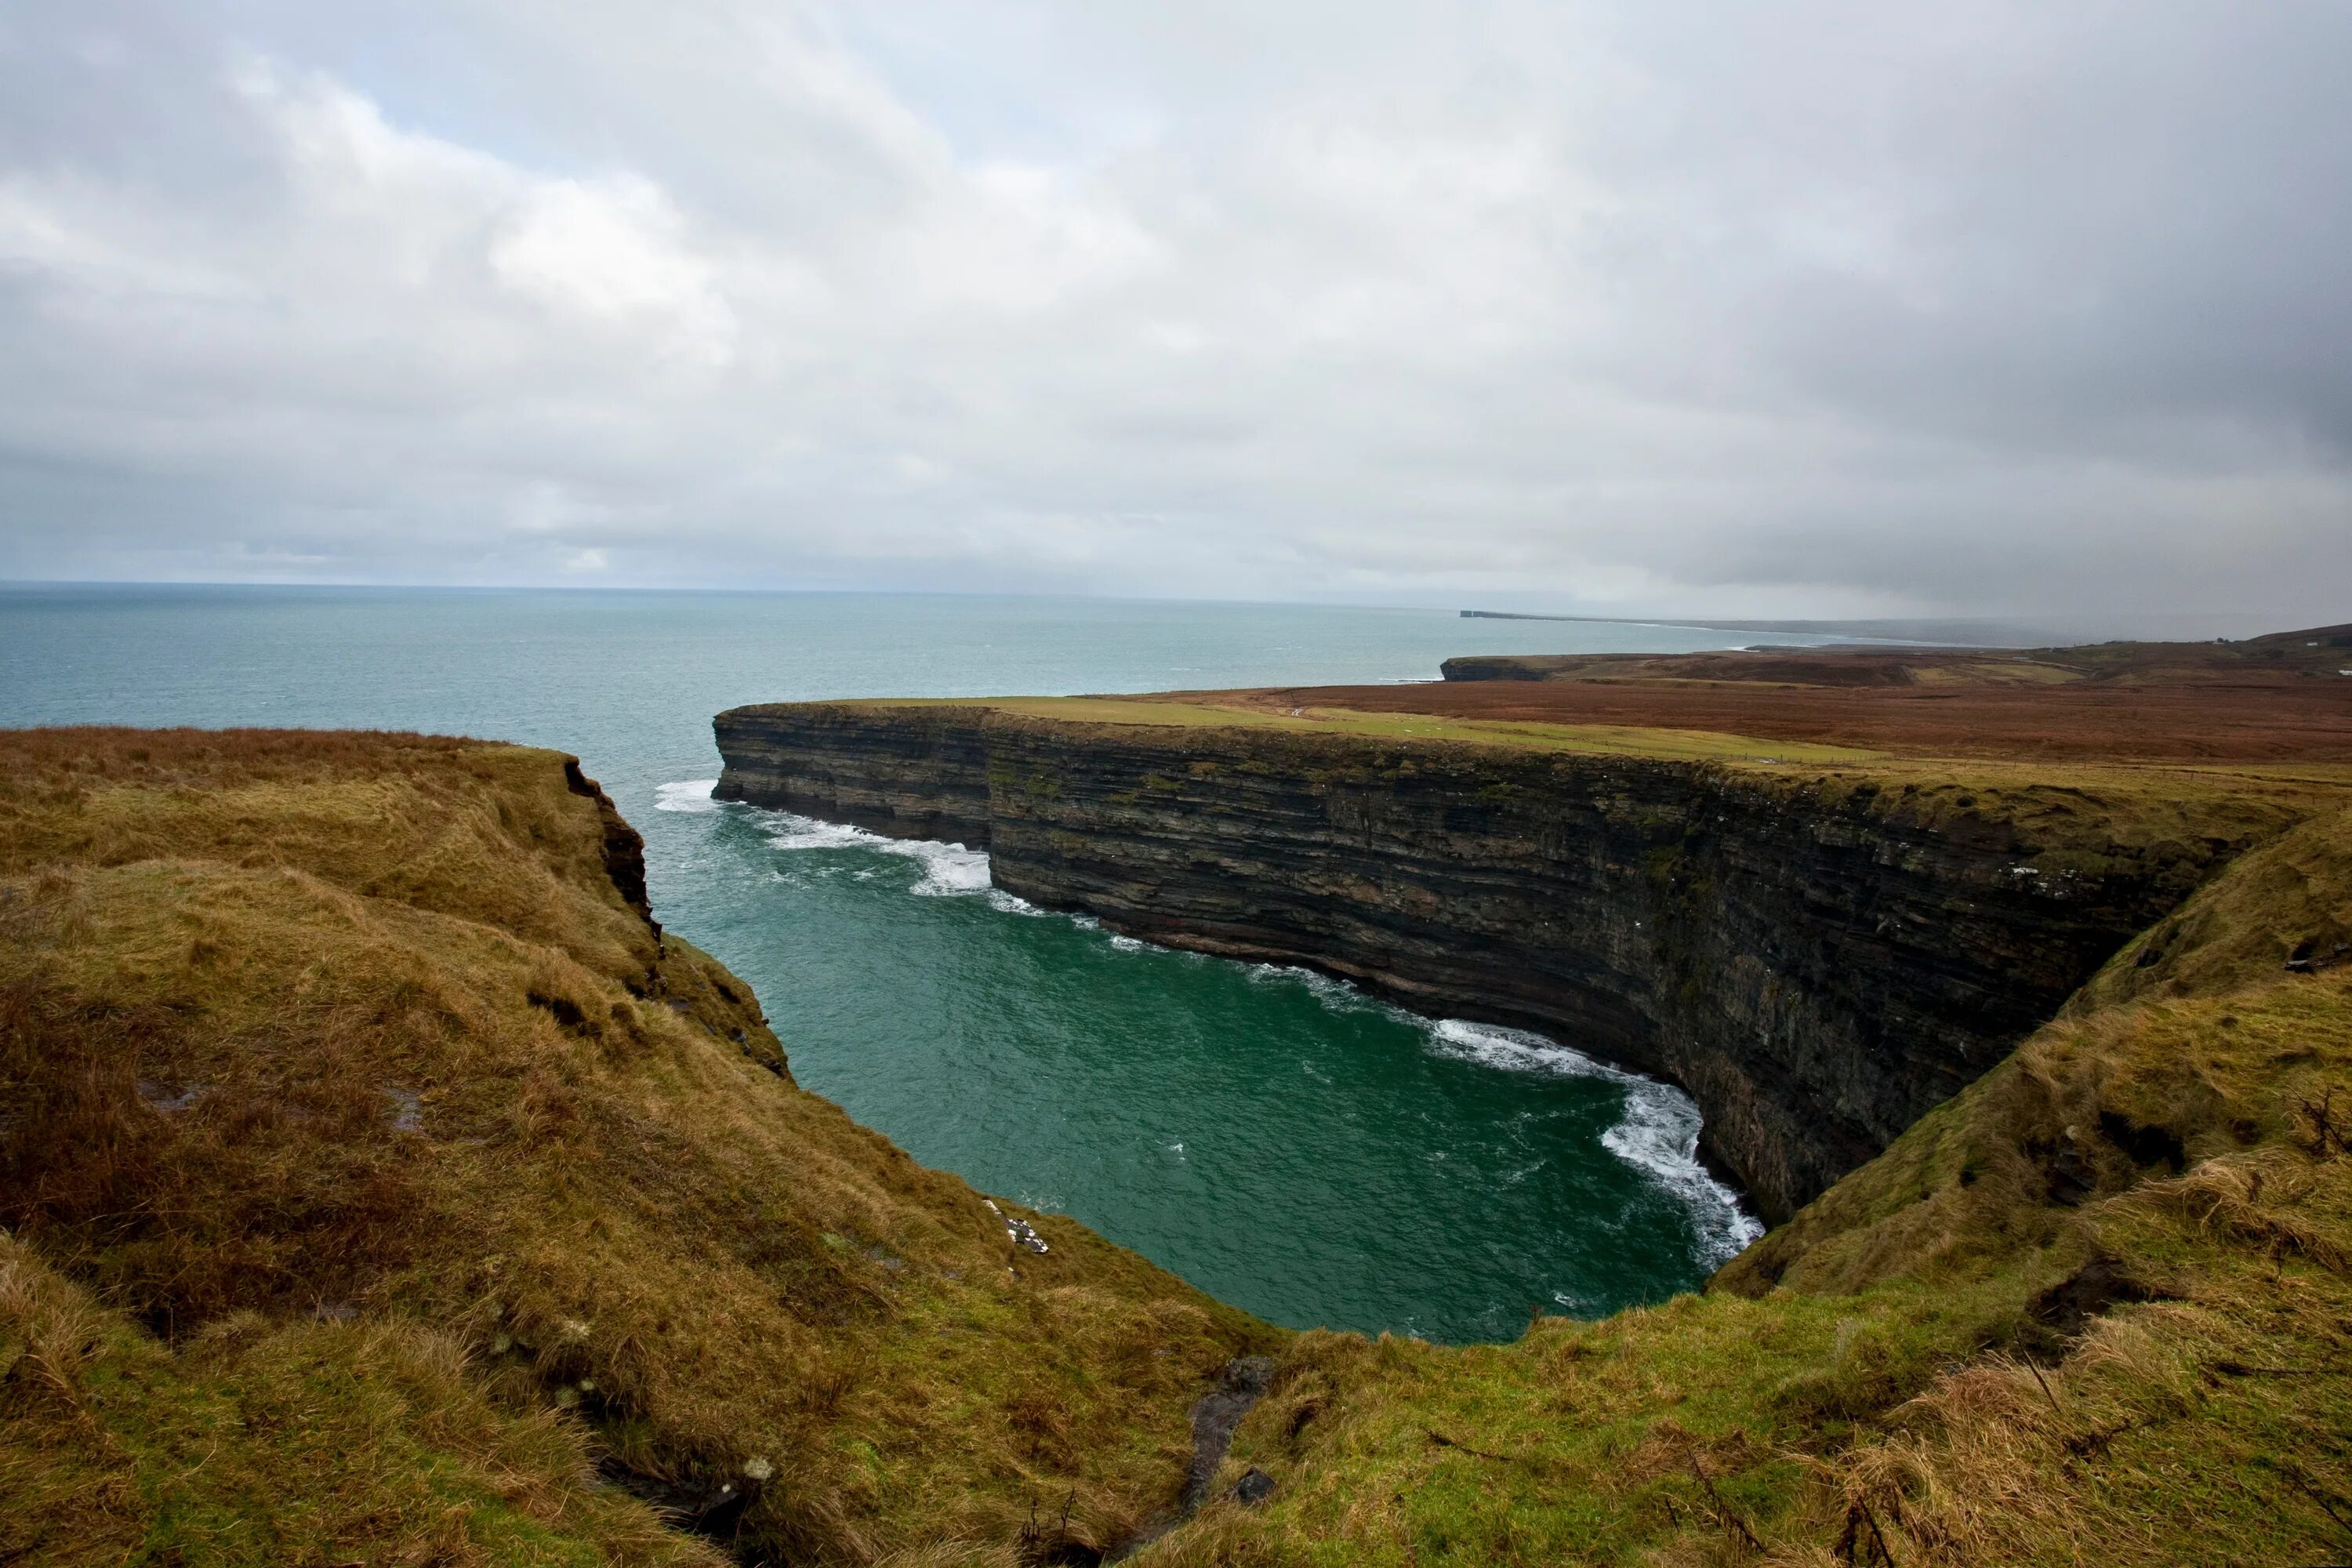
1956,633
1949,631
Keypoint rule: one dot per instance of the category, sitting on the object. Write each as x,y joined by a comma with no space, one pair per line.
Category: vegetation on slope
2096,1307
2172,821
383,1187
2283,698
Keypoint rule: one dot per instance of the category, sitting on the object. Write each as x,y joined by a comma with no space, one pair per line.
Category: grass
353,1046
2163,820
381,1187
2091,1310
283,1442
1610,740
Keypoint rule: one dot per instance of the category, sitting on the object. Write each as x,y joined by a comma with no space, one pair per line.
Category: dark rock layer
1812,960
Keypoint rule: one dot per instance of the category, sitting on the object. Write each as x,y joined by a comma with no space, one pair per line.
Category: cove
1279,1139
1004,1046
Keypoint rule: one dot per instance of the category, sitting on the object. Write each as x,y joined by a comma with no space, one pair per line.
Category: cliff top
2279,699
381,1185
2067,804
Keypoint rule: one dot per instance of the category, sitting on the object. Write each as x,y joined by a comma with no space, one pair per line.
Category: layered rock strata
1817,961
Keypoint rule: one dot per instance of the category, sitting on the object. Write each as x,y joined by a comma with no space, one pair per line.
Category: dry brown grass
2272,700
2094,1309
282,1442
337,1035
375,1167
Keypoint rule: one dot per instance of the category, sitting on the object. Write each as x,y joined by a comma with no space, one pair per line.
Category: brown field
2274,698
381,1185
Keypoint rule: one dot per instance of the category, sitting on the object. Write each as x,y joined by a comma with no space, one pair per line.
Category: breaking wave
692,796
949,870
1658,1134
1337,996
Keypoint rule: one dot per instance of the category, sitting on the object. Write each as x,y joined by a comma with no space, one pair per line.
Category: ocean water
1277,1138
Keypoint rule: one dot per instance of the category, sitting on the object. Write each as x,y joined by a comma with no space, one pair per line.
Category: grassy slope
1196,710
2064,815
380,1129
1918,1369
261,1305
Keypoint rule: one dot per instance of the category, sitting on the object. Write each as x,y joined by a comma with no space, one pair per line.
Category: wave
691,795
1658,1135
949,870
1337,996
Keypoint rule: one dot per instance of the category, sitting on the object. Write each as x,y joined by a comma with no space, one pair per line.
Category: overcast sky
1801,308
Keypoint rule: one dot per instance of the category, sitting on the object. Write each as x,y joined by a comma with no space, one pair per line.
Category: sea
1276,1137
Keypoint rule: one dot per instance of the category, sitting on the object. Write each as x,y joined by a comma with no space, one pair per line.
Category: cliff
1817,959
382,1184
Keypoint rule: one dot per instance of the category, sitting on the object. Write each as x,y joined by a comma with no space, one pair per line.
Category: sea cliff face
1818,961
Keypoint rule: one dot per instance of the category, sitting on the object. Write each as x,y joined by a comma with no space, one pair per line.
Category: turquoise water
1277,1138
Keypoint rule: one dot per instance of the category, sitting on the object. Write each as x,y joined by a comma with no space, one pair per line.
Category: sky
1812,308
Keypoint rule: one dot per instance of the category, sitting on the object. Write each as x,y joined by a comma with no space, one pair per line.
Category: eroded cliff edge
1819,956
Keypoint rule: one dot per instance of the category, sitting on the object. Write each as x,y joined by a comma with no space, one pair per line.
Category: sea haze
1279,1139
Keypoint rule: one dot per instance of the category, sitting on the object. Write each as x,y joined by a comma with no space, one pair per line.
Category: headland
384,1184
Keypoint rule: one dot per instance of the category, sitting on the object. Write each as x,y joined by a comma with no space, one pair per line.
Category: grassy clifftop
384,1188
2096,1308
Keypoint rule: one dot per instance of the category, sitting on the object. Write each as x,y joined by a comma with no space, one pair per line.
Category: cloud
1826,307
609,254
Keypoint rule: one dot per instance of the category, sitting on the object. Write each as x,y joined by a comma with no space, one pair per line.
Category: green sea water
1277,1138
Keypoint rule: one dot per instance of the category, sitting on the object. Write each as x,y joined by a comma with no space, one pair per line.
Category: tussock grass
1247,710
2093,1309
351,1058
384,1187
283,1442
2158,819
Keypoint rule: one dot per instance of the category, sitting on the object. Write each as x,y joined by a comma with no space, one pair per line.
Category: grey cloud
1826,307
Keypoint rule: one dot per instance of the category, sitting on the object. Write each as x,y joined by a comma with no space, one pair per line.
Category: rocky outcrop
1499,667
1818,961
624,847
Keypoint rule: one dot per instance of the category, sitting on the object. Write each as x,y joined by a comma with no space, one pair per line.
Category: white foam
691,795
950,870
1658,1134
1335,995
786,831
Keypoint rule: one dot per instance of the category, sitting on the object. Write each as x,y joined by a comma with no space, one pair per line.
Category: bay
1279,1139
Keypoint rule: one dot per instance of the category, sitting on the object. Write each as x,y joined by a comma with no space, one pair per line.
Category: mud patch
2146,1146
1242,1383
2063,1313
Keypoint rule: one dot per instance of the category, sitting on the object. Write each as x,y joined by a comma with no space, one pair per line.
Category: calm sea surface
1275,1138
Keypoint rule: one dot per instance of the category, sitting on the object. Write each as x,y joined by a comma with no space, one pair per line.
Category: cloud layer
1808,308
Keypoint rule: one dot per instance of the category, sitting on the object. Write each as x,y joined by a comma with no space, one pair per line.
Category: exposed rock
1022,1233
1818,966
1239,1386
624,847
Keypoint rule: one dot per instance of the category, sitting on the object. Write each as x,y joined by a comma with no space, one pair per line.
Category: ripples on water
1287,1143
1533,1175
